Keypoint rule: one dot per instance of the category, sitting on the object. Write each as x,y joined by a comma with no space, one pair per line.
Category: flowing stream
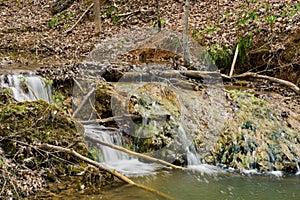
205,182
27,88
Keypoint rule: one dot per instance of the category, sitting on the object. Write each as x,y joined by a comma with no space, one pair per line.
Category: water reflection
195,185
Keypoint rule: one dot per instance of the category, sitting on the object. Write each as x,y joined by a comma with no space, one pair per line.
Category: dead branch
199,75
109,170
135,153
125,117
272,79
234,60
80,18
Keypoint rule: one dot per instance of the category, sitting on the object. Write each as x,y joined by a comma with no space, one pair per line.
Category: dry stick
124,117
136,154
111,171
85,99
80,18
234,60
112,119
272,79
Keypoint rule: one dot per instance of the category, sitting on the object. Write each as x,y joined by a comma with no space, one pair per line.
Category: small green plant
297,5
58,99
266,6
112,13
221,56
7,91
244,45
23,83
270,19
54,22
283,14
251,16
292,13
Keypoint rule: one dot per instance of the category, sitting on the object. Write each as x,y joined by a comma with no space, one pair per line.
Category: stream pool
211,184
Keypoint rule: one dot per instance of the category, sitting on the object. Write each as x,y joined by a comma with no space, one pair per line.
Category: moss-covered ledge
26,169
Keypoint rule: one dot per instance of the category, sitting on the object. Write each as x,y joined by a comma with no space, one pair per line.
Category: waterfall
115,159
188,144
27,88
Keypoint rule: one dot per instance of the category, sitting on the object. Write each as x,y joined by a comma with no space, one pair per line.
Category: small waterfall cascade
298,168
109,155
27,88
191,153
115,159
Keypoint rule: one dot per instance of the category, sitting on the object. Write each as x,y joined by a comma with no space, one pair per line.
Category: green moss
256,139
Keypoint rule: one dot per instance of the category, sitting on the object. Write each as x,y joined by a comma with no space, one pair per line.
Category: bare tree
158,16
97,16
185,33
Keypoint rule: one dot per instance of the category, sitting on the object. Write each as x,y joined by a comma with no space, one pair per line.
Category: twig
234,60
111,171
135,153
272,79
80,18
131,13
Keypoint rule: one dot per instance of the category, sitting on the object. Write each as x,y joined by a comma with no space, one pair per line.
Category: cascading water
123,162
27,88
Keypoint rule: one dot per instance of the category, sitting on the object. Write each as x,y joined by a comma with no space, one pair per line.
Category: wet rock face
157,133
258,136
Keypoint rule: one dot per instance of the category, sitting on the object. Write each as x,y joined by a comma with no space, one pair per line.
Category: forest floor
267,31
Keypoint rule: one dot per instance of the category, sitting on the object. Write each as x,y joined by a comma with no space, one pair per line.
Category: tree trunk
97,16
185,33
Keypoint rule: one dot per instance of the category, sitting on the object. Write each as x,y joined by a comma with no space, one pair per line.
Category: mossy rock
257,137
5,96
40,122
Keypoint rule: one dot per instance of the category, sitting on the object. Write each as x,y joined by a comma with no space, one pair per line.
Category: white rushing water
115,159
27,88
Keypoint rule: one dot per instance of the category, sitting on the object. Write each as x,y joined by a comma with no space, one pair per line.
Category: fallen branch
80,18
234,60
126,117
149,158
111,171
112,119
148,76
288,84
